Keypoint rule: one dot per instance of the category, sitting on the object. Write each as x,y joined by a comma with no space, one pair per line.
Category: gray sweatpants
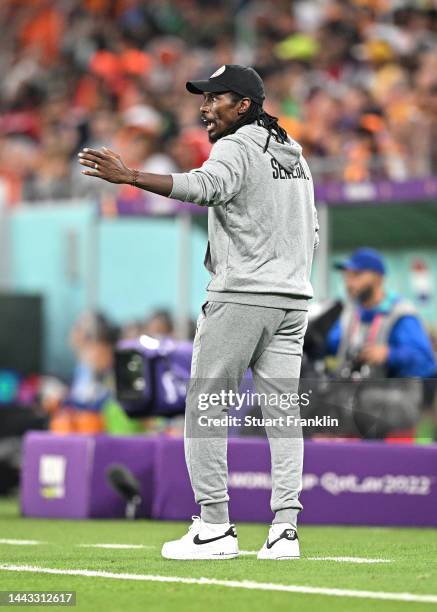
229,339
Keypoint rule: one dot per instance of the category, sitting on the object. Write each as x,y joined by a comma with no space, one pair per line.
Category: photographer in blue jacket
381,329
382,352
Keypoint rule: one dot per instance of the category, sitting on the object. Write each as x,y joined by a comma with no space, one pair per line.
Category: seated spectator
159,324
350,80
94,338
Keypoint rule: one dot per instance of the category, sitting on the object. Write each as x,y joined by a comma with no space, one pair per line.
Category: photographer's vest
355,333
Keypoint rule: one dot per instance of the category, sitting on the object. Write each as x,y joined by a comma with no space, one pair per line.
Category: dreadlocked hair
256,113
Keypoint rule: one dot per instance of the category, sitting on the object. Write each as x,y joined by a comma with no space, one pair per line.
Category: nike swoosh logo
230,532
284,536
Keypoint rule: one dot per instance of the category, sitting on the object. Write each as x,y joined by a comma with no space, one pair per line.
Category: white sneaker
204,541
282,543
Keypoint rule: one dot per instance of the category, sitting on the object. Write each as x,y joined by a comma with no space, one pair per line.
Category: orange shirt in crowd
101,6
43,30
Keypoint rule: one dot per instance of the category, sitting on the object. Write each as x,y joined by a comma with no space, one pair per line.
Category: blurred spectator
159,324
93,337
351,80
132,329
378,330
379,339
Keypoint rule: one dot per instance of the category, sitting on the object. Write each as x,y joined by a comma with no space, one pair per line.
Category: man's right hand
374,354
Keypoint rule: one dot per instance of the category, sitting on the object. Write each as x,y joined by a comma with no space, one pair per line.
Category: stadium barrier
349,483
64,476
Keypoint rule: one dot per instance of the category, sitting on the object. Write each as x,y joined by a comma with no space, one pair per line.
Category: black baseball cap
243,80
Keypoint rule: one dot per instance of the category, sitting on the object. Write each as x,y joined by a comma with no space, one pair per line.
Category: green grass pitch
412,552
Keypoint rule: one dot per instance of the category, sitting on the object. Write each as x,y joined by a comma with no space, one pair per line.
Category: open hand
105,164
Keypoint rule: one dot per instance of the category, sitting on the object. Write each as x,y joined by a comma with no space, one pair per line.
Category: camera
151,376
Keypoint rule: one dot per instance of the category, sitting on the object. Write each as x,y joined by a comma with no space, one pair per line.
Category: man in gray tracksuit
262,231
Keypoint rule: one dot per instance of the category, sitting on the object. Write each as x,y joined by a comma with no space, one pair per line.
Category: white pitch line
248,552
242,552
12,542
349,559
117,546
20,542
338,559
245,584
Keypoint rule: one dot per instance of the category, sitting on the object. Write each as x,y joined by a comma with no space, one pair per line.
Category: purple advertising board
64,476
348,483
249,469
354,483
137,453
370,483
55,475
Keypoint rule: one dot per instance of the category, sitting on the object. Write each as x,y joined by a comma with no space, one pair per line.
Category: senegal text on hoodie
262,222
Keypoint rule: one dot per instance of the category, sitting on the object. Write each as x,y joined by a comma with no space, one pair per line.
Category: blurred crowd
355,81
88,403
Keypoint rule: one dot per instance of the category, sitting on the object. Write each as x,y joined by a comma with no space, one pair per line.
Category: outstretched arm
216,182
107,165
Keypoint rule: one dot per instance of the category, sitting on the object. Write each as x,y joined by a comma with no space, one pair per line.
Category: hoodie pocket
207,262
204,307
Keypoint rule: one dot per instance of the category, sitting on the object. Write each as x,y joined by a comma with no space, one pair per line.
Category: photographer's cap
361,260
243,80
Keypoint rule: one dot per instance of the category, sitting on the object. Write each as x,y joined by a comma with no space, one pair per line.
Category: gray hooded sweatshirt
262,222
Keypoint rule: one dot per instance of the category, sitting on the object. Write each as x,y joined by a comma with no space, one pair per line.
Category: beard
365,294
